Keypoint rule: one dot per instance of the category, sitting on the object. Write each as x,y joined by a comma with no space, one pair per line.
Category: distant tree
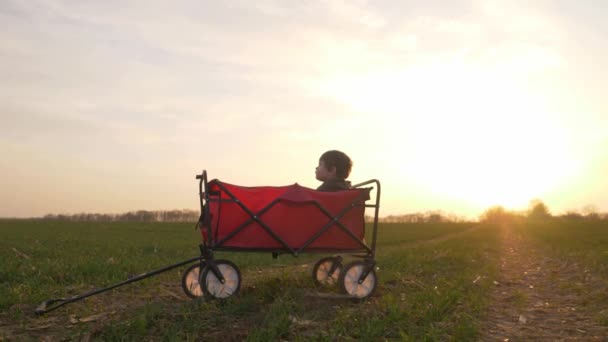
414,218
496,214
589,209
591,212
429,216
572,215
538,210
455,218
435,218
106,217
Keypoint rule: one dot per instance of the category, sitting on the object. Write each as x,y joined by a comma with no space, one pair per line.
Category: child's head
333,164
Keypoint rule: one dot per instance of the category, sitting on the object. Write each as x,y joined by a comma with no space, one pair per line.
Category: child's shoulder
334,185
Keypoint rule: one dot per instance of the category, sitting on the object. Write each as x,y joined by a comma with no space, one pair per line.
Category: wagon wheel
321,271
351,282
190,281
215,288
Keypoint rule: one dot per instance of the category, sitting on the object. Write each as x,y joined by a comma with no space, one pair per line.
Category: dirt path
538,298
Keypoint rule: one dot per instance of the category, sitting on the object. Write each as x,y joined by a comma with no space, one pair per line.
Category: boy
334,167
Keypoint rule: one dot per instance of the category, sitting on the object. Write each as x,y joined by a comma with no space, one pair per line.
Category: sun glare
472,135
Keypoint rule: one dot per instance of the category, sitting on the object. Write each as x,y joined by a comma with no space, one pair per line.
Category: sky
112,106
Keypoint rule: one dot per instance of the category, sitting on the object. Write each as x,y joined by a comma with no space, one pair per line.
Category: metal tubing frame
336,220
254,217
43,307
205,218
369,266
376,205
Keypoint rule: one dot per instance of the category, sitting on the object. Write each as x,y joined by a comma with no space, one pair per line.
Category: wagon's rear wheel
191,281
216,288
327,271
352,282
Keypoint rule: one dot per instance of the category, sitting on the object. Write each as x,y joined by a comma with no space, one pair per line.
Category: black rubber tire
213,288
350,276
190,281
321,269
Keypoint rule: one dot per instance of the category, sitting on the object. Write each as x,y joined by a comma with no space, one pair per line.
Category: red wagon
286,219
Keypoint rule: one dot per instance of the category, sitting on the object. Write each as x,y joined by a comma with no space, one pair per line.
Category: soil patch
537,297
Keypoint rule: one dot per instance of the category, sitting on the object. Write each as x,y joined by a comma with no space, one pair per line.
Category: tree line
538,210
188,215
419,217
176,215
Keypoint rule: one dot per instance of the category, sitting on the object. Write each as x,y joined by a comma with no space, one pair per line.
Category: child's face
323,174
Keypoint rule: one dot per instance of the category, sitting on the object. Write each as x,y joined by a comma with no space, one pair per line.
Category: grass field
582,240
434,283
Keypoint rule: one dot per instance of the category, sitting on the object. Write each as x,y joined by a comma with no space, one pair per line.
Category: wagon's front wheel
354,281
221,288
191,281
327,271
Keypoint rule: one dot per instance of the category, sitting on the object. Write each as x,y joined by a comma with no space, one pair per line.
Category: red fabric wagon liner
293,218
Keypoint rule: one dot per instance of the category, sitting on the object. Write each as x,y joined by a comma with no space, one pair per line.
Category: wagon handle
43,307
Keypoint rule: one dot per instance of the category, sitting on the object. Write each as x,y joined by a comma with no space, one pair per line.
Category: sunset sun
462,131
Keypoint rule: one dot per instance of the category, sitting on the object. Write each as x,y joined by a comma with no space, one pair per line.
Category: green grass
434,281
425,291
582,240
392,234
